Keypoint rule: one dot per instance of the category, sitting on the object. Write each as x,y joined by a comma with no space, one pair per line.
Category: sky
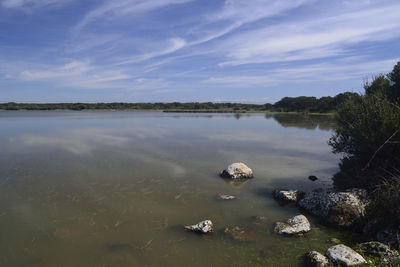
248,51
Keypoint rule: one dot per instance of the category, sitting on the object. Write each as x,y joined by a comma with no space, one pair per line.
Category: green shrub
368,136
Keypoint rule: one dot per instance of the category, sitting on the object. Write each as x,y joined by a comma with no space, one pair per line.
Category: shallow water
115,188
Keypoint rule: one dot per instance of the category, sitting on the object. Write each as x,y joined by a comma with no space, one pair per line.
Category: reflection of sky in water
177,140
85,181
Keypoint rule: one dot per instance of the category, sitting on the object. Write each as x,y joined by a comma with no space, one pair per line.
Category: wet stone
237,170
316,259
287,195
259,220
240,234
202,227
225,197
297,225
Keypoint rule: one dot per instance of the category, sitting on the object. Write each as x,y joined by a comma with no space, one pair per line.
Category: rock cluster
343,209
237,171
297,225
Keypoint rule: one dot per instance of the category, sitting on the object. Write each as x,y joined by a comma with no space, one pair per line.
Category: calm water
115,188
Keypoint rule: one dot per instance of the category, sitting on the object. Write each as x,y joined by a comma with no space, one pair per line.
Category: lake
115,188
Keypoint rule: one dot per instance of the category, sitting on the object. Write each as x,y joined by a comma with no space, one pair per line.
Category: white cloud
239,13
252,10
319,38
173,45
334,71
28,4
74,74
119,8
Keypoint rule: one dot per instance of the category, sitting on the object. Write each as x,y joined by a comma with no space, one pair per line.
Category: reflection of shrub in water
311,122
238,116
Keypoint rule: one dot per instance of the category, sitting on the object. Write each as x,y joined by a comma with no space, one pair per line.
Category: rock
259,220
287,195
297,225
312,178
378,249
344,255
237,171
316,259
389,236
343,214
225,197
240,234
345,208
202,227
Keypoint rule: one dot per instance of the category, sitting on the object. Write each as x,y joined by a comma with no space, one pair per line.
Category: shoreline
186,111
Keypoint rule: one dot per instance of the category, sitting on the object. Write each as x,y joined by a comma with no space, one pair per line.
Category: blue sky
253,51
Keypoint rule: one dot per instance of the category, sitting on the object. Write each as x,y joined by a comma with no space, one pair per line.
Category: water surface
115,188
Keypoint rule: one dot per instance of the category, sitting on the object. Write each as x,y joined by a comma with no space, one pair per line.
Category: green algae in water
116,188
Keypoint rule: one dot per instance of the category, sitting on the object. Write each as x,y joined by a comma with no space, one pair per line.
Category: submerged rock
378,249
237,171
297,225
202,227
240,234
344,255
312,178
316,259
259,220
226,197
287,195
343,209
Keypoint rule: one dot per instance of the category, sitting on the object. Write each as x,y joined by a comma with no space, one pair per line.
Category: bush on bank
368,136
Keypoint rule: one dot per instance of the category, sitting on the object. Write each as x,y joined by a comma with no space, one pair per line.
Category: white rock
287,195
295,226
237,171
226,197
344,255
317,259
203,227
319,202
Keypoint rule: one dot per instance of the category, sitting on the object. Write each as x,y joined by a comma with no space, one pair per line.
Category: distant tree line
311,104
133,106
286,104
